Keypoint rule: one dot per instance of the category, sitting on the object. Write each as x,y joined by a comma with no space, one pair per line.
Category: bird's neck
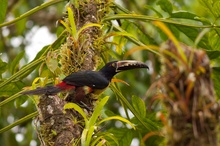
108,74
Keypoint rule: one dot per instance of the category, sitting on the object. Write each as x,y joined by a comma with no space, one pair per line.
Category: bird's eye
93,85
113,64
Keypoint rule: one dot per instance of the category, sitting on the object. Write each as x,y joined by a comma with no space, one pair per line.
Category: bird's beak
129,64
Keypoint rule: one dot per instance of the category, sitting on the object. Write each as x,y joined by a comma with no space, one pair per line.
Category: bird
88,82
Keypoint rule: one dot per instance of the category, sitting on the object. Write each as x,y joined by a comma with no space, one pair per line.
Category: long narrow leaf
72,22
100,143
22,71
117,118
9,99
32,11
163,27
65,25
3,8
148,124
30,116
77,108
14,64
88,25
135,41
84,137
98,139
150,18
139,48
32,65
90,127
89,136
97,111
105,135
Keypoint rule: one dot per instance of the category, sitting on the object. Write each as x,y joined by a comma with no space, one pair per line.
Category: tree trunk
189,97
56,127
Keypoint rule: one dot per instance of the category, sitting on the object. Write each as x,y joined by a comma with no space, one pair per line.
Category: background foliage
195,23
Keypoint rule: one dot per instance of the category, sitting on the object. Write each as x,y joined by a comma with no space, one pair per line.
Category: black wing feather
87,78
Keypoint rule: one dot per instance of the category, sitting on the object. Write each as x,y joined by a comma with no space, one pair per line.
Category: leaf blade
3,8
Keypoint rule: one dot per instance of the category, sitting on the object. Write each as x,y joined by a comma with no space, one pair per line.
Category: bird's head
114,67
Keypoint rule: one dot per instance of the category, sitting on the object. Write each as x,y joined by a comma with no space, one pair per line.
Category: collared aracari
93,81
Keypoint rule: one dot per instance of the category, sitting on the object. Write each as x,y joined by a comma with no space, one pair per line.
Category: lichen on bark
56,127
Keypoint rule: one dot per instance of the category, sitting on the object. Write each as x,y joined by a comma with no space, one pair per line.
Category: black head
114,67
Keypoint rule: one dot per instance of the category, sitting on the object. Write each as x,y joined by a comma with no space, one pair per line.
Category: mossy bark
56,127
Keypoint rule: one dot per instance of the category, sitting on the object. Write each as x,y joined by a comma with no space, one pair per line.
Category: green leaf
26,69
185,15
120,41
212,6
87,26
59,30
110,139
149,124
124,136
213,54
191,16
97,111
152,140
216,9
19,101
153,9
33,10
174,30
52,64
9,99
75,3
216,69
120,37
3,8
21,26
72,23
208,5
116,118
90,127
87,136
109,113
165,5
97,141
18,122
3,67
36,59
77,108
41,52
21,72
192,34
11,89
214,39
15,63
134,40
139,105
142,35
204,20
216,80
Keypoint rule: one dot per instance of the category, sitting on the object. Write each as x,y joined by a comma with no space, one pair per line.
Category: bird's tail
48,90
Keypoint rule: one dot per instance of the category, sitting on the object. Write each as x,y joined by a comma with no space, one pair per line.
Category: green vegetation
134,107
